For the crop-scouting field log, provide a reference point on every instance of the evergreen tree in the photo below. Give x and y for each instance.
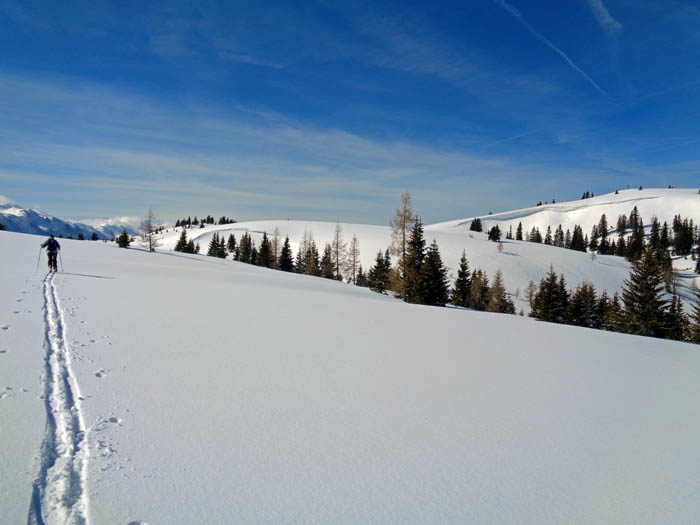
(519, 232)
(476, 226)
(378, 275)
(644, 306)
(548, 304)
(286, 262)
(693, 331)
(614, 320)
(583, 306)
(123, 240)
(495, 233)
(327, 266)
(213, 245)
(578, 242)
(460, 292)
(191, 247)
(548, 236)
(93, 237)
(265, 256)
(559, 237)
(676, 323)
(604, 245)
(413, 261)
(593, 244)
(361, 278)
(479, 290)
(221, 249)
(231, 243)
(433, 283)
(181, 245)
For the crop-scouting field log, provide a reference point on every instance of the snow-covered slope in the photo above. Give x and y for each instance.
(520, 262)
(661, 203)
(15, 218)
(198, 390)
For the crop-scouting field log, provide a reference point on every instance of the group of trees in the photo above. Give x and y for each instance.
(473, 290)
(643, 309)
(189, 222)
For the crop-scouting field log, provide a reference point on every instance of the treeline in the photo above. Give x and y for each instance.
(643, 308)
(632, 239)
(189, 222)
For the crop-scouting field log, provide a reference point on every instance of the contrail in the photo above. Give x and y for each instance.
(519, 17)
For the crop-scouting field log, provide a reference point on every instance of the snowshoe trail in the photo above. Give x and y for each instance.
(60, 491)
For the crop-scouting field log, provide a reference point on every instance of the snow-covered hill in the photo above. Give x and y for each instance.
(663, 204)
(18, 219)
(189, 389)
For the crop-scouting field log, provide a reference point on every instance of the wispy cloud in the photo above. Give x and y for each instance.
(4, 200)
(604, 18)
(519, 17)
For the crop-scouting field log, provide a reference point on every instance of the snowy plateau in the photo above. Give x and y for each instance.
(146, 388)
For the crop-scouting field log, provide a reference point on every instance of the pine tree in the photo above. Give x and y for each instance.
(93, 237)
(604, 245)
(286, 262)
(221, 249)
(265, 256)
(463, 282)
(327, 266)
(181, 245)
(231, 243)
(578, 242)
(644, 306)
(413, 261)
(559, 237)
(479, 291)
(693, 330)
(495, 233)
(548, 236)
(213, 245)
(361, 279)
(519, 232)
(583, 306)
(378, 275)
(433, 283)
(476, 225)
(548, 304)
(614, 320)
(123, 240)
(676, 323)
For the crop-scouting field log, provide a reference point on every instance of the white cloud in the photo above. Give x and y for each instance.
(4, 200)
(603, 16)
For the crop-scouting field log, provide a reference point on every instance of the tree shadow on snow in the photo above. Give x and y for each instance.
(87, 275)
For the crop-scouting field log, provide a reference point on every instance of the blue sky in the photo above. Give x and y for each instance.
(324, 110)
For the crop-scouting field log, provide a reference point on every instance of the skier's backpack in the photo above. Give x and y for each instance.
(52, 245)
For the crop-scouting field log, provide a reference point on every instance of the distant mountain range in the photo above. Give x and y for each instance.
(16, 218)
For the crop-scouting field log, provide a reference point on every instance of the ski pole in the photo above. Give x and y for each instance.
(39, 259)
(60, 259)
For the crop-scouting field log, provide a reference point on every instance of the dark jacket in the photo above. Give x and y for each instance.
(51, 245)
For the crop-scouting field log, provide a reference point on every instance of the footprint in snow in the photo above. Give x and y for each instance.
(5, 327)
(101, 373)
(3, 351)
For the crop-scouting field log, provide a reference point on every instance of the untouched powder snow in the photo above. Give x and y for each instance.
(217, 392)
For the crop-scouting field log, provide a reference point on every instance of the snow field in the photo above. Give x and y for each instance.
(220, 392)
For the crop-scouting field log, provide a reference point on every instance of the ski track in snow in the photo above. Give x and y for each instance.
(60, 491)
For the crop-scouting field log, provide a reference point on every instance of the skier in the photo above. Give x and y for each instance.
(52, 248)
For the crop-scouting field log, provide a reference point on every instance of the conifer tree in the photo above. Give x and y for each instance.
(338, 252)
(400, 229)
(433, 283)
(548, 304)
(476, 225)
(604, 245)
(644, 306)
(495, 233)
(231, 243)
(578, 242)
(693, 331)
(519, 232)
(286, 262)
(123, 240)
(548, 236)
(265, 255)
(499, 301)
(221, 249)
(463, 282)
(327, 266)
(353, 259)
(361, 278)
(676, 323)
(559, 237)
(479, 290)
(213, 250)
(582, 309)
(413, 261)
(378, 275)
(181, 245)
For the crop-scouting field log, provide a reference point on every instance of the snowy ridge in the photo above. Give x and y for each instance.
(661, 203)
(18, 219)
(60, 494)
